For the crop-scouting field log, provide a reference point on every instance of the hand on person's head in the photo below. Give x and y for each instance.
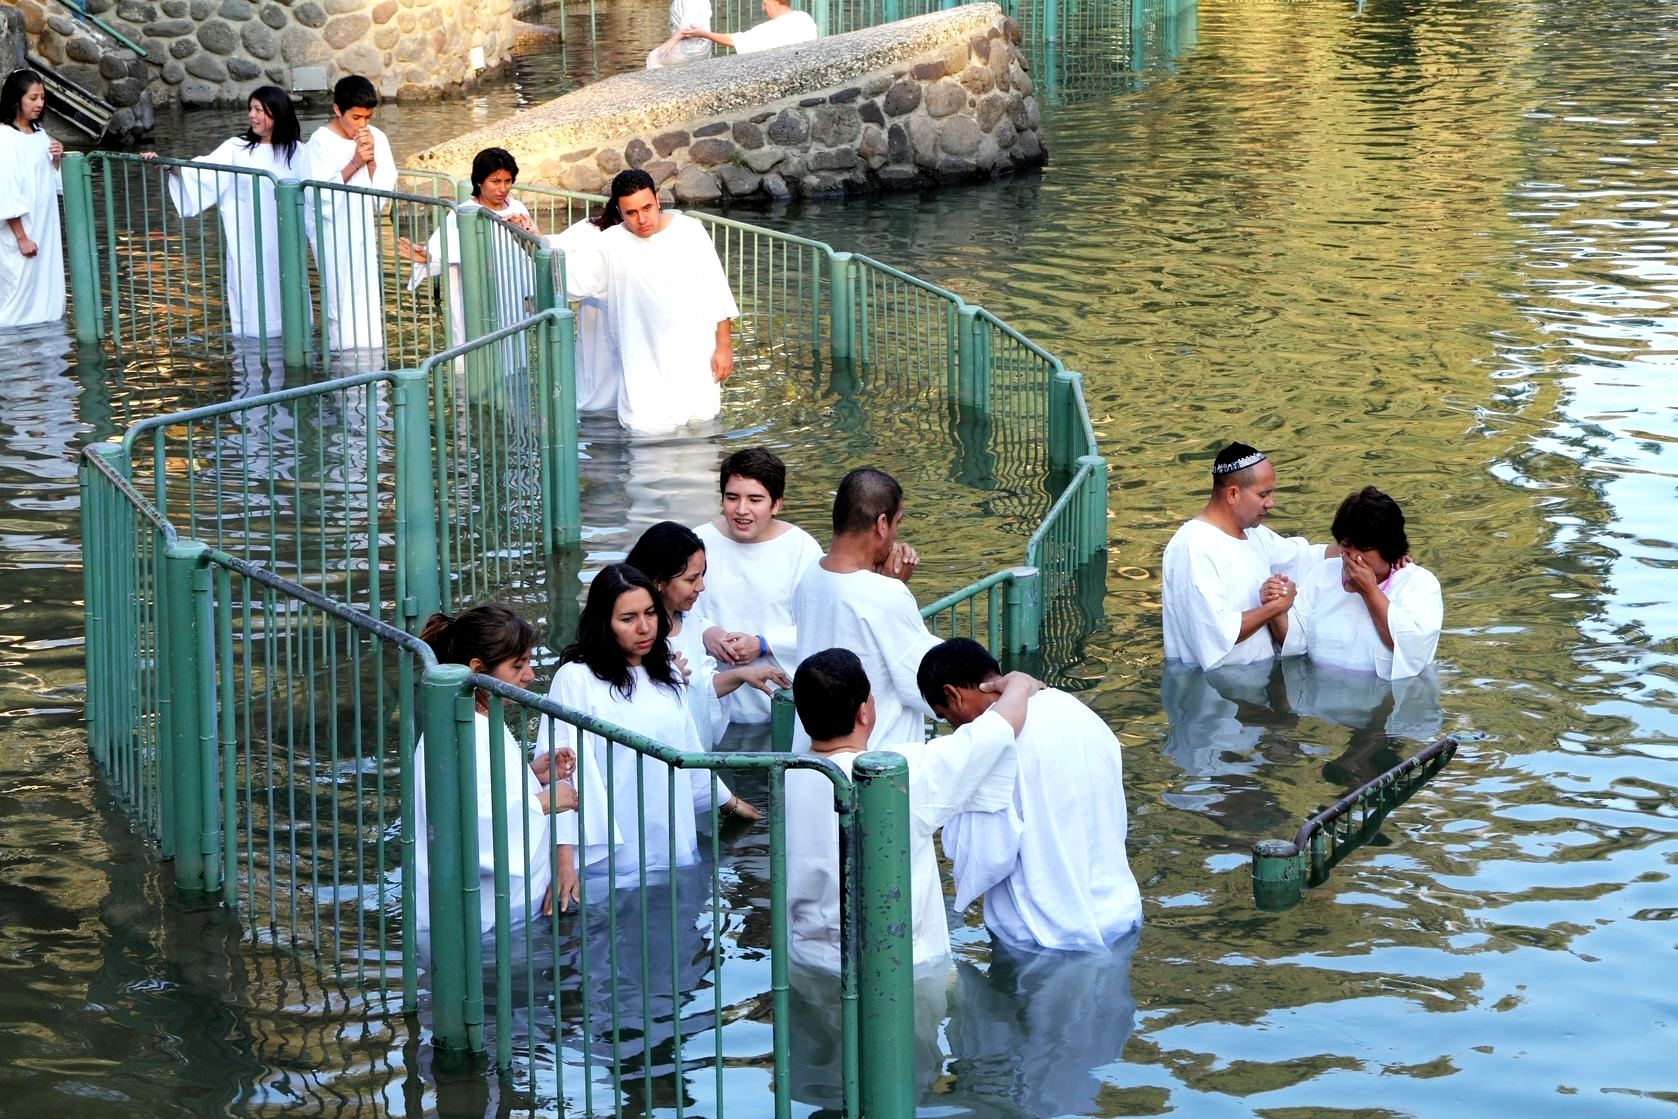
(1016, 682)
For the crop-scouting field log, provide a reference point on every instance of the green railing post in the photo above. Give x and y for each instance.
(1022, 610)
(1051, 21)
(442, 689)
(841, 308)
(1066, 442)
(294, 273)
(972, 362)
(477, 297)
(890, 11)
(821, 12)
(783, 720)
(557, 388)
(84, 255)
(1092, 508)
(419, 574)
(1278, 874)
(183, 646)
(885, 965)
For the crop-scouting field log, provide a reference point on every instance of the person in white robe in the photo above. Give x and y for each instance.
(31, 245)
(599, 376)
(971, 770)
(680, 48)
(493, 641)
(672, 556)
(250, 231)
(668, 304)
(1369, 609)
(855, 598)
(1051, 866)
(634, 810)
(753, 563)
(782, 27)
(343, 226)
(1218, 565)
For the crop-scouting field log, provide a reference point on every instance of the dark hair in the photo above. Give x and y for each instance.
(864, 496)
(287, 132)
(761, 465)
(17, 84)
(488, 162)
(490, 633)
(828, 690)
(625, 183)
(595, 645)
(663, 551)
(1371, 519)
(959, 662)
(354, 92)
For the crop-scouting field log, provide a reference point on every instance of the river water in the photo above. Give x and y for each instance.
(1429, 247)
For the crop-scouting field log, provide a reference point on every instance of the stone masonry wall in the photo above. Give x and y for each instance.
(204, 52)
(953, 105)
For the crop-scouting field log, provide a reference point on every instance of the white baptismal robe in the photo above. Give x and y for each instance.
(783, 31)
(599, 376)
(250, 230)
(875, 617)
(612, 813)
(512, 272)
(1052, 866)
(706, 707)
(970, 770)
(31, 287)
(748, 589)
(1211, 578)
(683, 13)
(529, 838)
(345, 237)
(1333, 625)
(665, 295)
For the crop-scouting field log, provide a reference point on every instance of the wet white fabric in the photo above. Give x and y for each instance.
(250, 230)
(1052, 867)
(599, 376)
(612, 812)
(748, 589)
(31, 287)
(1210, 578)
(970, 770)
(706, 707)
(783, 31)
(875, 617)
(1334, 626)
(665, 295)
(343, 230)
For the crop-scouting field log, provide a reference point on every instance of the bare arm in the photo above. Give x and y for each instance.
(1016, 689)
(722, 358)
(700, 33)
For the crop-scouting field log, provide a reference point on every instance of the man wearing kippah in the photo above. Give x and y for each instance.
(1218, 567)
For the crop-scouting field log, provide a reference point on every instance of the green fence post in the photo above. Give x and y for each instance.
(841, 308)
(890, 11)
(972, 362)
(885, 967)
(1064, 444)
(109, 551)
(477, 297)
(419, 574)
(1051, 21)
(84, 254)
(820, 11)
(182, 645)
(1022, 610)
(783, 720)
(442, 688)
(559, 390)
(1092, 526)
(1278, 874)
(294, 273)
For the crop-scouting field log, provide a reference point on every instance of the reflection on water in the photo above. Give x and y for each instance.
(1428, 247)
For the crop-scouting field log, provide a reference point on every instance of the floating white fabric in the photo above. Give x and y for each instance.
(748, 589)
(250, 231)
(1052, 867)
(1336, 629)
(1210, 578)
(875, 617)
(599, 376)
(343, 230)
(970, 770)
(783, 31)
(31, 287)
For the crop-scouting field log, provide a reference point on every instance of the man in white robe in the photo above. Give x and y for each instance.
(782, 27)
(1051, 866)
(970, 770)
(856, 598)
(753, 561)
(1218, 566)
(669, 306)
(343, 226)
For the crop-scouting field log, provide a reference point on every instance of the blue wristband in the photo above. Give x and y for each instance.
(762, 646)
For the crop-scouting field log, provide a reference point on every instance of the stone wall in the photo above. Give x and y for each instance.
(943, 98)
(204, 52)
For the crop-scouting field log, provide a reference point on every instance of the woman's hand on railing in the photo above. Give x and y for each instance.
(739, 809)
(149, 156)
(554, 765)
(407, 250)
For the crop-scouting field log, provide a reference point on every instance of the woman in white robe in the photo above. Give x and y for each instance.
(634, 811)
(250, 233)
(599, 373)
(673, 557)
(31, 247)
(493, 641)
(1370, 609)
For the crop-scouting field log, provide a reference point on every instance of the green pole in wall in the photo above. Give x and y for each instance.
(294, 273)
(885, 969)
(84, 256)
(181, 646)
(1022, 611)
(419, 574)
(442, 689)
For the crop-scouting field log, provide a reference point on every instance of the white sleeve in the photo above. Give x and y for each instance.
(969, 770)
(1208, 624)
(1293, 556)
(1415, 615)
(707, 281)
(1304, 603)
(983, 848)
(194, 190)
(572, 690)
(384, 165)
(783, 639)
(586, 272)
(903, 645)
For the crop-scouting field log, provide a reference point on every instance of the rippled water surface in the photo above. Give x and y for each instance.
(1426, 246)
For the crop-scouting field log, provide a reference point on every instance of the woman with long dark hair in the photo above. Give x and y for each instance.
(250, 235)
(633, 809)
(31, 248)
